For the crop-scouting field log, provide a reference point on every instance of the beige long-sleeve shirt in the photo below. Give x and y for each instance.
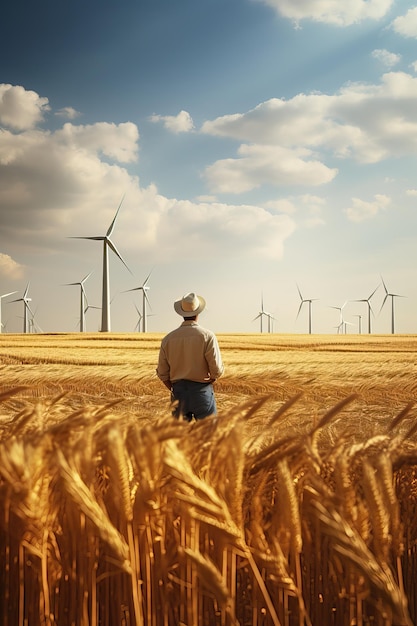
(189, 352)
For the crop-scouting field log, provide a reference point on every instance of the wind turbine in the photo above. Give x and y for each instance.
(83, 300)
(271, 321)
(261, 313)
(33, 326)
(359, 323)
(137, 327)
(341, 328)
(303, 301)
(392, 296)
(144, 288)
(1, 298)
(370, 311)
(26, 308)
(107, 243)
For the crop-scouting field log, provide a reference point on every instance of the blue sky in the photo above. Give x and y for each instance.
(257, 145)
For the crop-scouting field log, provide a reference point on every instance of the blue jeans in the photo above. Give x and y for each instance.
(195, 400)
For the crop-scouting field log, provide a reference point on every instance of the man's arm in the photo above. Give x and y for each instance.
(214, 358)
(162, 371)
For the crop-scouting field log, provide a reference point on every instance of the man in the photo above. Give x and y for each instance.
(190, 361)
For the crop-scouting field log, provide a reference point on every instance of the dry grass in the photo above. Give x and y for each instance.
(296, 505)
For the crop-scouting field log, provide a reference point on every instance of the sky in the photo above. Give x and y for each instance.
(261, 153)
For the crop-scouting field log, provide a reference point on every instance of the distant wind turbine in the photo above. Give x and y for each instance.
(137, 327)
(83, 300)
(271, 321)
(359, 323)
(341, 327)
(11, 293)
(392, 296)
(144, 288)
(26, 308)
(304, 301)
(107, 243)
(370, 311)
(33, 326)
(261, 313)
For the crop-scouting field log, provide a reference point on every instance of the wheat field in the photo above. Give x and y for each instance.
(295, 505)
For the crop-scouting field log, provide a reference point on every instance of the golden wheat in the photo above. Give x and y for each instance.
(295, 505)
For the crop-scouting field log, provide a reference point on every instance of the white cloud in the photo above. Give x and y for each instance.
(389, 59)
(406, 25)
(67, 183)
(291, 141)
(68, 112)
(414, 66)
(411, 192)
(331, 11)
(181, 123)
(283, 205)
(273, 165)
(362, 210)
(21, 109)
(116, 141)
(9, 268)
(218, 228)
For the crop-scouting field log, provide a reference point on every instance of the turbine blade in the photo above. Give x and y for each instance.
(8, 294)
(86, 277)
(385, 287)
(111, 227)
(147, 278)
(376, 289)
(98, 238)
(117, 253)
(383, 302)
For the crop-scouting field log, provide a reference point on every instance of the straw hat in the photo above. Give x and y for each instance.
(189, 305)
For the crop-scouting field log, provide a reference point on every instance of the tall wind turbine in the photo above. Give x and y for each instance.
(392, 296)
(83, 300)
(144, 288)
(1, 298)
(370, 311)
(107, 243)
(261, 313)
(304, 301)
(26, 308)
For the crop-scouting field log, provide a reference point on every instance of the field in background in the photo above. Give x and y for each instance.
(297, 504)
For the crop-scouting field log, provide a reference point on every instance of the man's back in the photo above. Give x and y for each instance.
(190, 361)
(190, 352)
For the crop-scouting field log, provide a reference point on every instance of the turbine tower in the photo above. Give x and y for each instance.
(392, 296)
(370, 311)
(83, 301)
(26, 308)
(144, 288)
(107, 243)
(303, 301)
(1, 298)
